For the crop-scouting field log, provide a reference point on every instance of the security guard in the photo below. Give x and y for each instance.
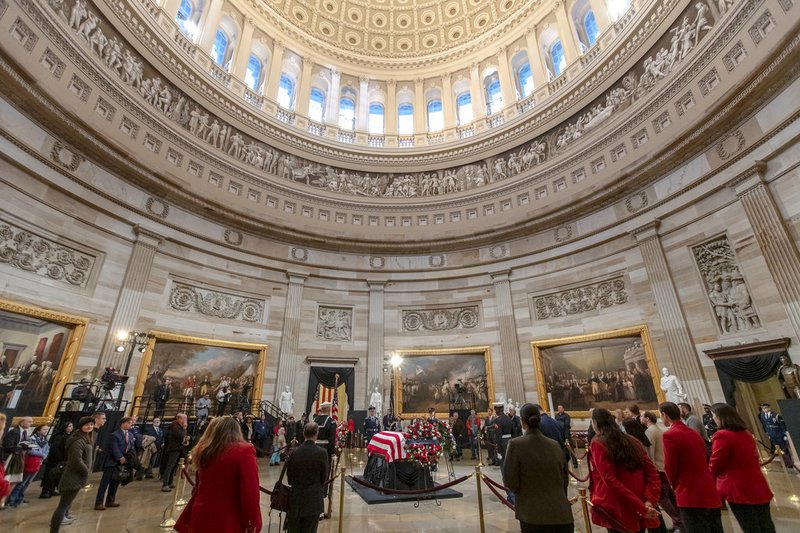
(708, 421)
(371, 424)
(775, 428)
(327, 429)
(505, 430)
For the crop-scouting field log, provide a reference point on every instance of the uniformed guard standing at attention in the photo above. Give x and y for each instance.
(327, 429)
(505, 430)
(775, 428)
(371, 424)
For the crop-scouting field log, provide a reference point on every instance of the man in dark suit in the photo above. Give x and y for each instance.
(563, 418)
(174, 446)
(687, 470)
(307, 470)
(121, 445)
(155, 431)
(161, 397)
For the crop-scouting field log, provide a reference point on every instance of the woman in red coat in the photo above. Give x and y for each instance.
(625, 486)
(736, 469)
(226, 494)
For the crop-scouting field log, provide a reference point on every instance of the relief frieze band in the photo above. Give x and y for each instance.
(440, 319)
(577, 300)
(215, 303)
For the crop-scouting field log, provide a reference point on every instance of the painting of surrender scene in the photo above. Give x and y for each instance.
(443, 379)
(195, 367)
(610, 370)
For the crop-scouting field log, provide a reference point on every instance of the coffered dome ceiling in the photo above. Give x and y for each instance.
(399, 28)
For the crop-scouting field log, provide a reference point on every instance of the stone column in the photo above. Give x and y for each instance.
(304, 91)
(208, 25)
(243, 50)
(362, 111)
(290, 333)
(129, 300)
(448, 101)
(776, 243)
(538, 70)
(332, 112)
(275, 70)
(390, 113)
(509, 344)
(477, 94)
(601, 16)
(420, 113)
(676, 330)
(375, 334)
(566, 33)
(507, 86)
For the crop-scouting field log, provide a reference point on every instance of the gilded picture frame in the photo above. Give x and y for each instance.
(76, 325)
(572, 369)
(163, 336)
(453, 362)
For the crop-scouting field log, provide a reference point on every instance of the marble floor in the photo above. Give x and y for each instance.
(144, 507)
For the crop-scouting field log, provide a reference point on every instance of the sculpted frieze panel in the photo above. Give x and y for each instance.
(334, 323)
(24, 250)
(214, 303)
(727, 291)
(440, 319)
(573, 301)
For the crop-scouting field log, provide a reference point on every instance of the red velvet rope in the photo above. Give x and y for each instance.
(185, 474)
(572, 451)
(580, 480)
(489, 483)
(416, 491)
(769, 459)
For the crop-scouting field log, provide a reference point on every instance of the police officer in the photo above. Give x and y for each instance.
(708, 421)
(775, 428)
(504, 429)
(371, 424)
(327, 429)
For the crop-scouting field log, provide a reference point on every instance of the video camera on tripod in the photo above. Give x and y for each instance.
(111, 378)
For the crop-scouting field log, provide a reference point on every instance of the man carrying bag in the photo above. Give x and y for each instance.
(307, 469)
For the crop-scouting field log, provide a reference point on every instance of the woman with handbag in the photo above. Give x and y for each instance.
(226, 494)
(624, 482)
(36, 454)
(54, 464)
(79, 460)
(12, 453)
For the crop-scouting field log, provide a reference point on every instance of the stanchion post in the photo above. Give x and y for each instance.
(169, 523)
(480, 497)
(587, 521)
(180, 486)
(341, 501)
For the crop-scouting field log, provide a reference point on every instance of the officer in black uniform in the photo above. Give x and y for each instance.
(708, 421)
(327, 429)
(505, 430)
(775, 428)
(371, 424)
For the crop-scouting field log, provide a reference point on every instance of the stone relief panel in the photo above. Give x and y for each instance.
(725, 286)
(576, 300)
(334, 324)
(102, 39)
(21, 249)
(215, 303)
(440, 319)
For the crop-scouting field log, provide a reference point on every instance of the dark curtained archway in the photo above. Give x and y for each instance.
(327, 376)
(750, 363)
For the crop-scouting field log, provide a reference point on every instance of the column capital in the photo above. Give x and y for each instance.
(250, 21)
(335, 73)
(147, 237)
(750, 178)
(391, 82)
(647, 231)
(376, 285)
(308, 61)
(500, 275)
(296, 278)
(278, 44)
(363, 78)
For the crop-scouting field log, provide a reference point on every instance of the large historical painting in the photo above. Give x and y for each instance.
(611, 370)
(443, 379)
(38, 349)
(196, 367)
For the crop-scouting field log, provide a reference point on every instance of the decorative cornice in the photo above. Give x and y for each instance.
(214, 303)
(441, 319)
(582, 299)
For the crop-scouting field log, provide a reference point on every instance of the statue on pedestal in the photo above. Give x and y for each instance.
(671, 385)
(376, 401)
(286, 400)
(789, 377)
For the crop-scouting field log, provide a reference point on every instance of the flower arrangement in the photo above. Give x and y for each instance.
(341, 437)
(424, 454)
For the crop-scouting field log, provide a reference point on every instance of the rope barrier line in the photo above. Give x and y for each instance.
(500, 497)
(269, 492)
(578, 479)
(490, 481)
(769, 459)
(185, 474)
(410, 492)
(572, 451)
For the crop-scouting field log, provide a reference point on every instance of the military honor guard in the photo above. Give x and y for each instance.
(775, 428)
(504, 430)
(371, 424)
(327, 429)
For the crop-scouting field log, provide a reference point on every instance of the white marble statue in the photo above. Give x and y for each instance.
(671, 385)
(376, 401)
(286, 401)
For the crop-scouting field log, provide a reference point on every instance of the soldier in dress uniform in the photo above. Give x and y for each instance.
(504, 430)
(371, 424)
(708, 421)
(327, 429)
(775, 428)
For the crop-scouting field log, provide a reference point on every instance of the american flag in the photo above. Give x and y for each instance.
(335, 406)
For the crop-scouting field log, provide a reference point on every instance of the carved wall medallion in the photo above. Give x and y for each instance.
(730, 144)
(233, 237)
(188, 298)
(377, 262)
(726, 289)
(334, 323)
(441, 319)
(65, 157)
(157, 207)
(299, 254)
(45, 257)
(436, 261)
(636, 202)
(581, 299)
(498, 250)
(564, 233)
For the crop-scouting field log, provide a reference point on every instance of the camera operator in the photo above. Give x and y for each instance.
(83, 394)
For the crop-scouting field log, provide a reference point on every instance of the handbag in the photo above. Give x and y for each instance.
(279, 499)
(122, 474)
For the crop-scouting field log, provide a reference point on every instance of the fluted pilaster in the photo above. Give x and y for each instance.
(509, 345)
(290, 333)
(275, 70)
(332, 112)
(375, 336)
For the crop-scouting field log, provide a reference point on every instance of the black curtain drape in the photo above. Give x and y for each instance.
(748, 369)
(327, 376)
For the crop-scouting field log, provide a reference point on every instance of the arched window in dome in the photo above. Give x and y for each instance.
(617, 8)
(184, 18)
(376, 118)
(494, 96)
(253, 74)
(590, 28)
(405, 119)
(347, 112)
(316, 104)
(464, 108)
(525, 80)
(286, 92)
(557, 59)
(435, 116)
(220, 50)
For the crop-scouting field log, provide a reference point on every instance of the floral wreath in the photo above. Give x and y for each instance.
(426, 454)
(341, 437)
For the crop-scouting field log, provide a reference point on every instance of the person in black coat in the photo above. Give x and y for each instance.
(56, 456)
(122, 443)
(307, 471)
(161, 397)
(174, 447)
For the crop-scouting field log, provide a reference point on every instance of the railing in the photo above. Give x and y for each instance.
(315, 128)
(348, 137)
(590, 55)
(219, 74)
(557, 83)
(527, 104)
(253, 98)
(495, 120)
(435, 138)
(465, 131)
(284, 115)
(405, 142)
(376, 141)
